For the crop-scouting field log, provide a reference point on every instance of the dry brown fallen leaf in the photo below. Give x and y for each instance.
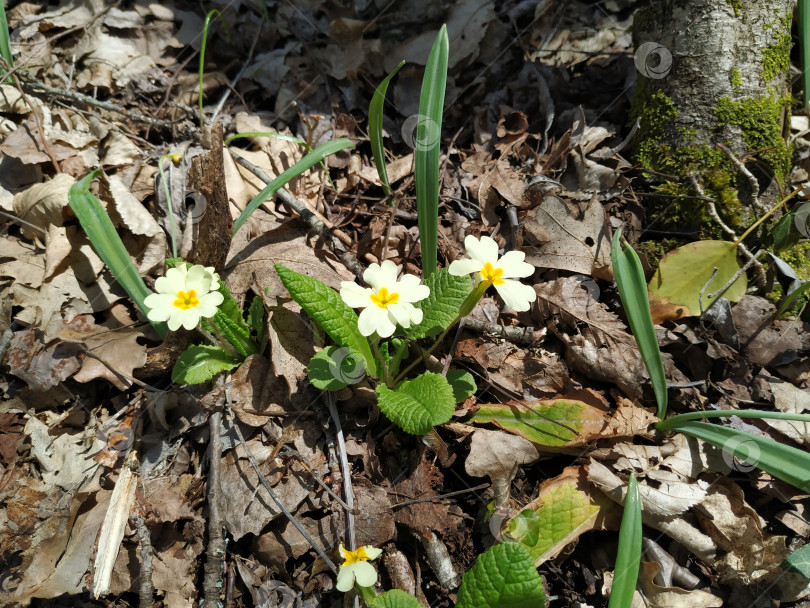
(672, 597)
(497, 455)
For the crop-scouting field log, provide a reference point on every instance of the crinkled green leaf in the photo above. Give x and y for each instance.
(418, 405)
(256, 316)
(462, 382)
(504, 575)
(200, 363)
(395, 599)
(328, 310)
(441, 307)
(334, 368)
(228, 320)
(798, 561)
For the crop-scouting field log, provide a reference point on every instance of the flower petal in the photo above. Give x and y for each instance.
(484, 250)
(388, 273)
(461, 267)
(189, 318)
(354, 295)
(174, 322)
(209, 303)
(345, 578)
(365, 574)
(160, 305)
(374, 319)
(173, 282)
(372, 552)
(373, 276)
(198, 279)
(399, 314)
(516, 295)
(412, 291)
(513, 265)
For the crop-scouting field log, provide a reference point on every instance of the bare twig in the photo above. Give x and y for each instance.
(146, 590)
(279, 504)
(753, 261)
(348, 492)
(753, 183)
(522, 336)
(215, 553)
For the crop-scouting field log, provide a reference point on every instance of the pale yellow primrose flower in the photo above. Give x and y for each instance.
(497, 271)
(356, 567)
(388, 302)
(184, 296)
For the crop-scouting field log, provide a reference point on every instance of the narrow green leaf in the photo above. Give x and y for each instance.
(375, 127)
(633, 292)
(5, 47)
(628, 558)
(504, 575)
(427, 151)
(310, 160)
(462, 382)
(442, 306)
(201, 70)
(418, 405)
(798, 561)
(334, 368)
(804, 41)
(791, 300)
(395, 599)
(108, 245)
(789, 464)
(200, 363)
(325, 306)
(674, 422)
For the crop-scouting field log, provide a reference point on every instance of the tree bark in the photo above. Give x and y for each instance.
(712, 72)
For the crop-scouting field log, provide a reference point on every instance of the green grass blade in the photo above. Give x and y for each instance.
(633, 291)
(427, 140)
(201, 70)
(108, 245)
(789, 464)
(628, 558)
(375, 126)
(674, 422)
(804, 40)
(310, 160)
(5, 47)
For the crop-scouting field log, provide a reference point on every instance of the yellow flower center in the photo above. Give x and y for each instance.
(383, 298)
(358, 555)
(492, 274)
(186, 299)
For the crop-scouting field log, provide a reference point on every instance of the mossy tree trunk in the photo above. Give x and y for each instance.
(712, 72)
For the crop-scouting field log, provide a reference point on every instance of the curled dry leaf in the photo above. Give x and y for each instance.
(498, 455)
(672, 597)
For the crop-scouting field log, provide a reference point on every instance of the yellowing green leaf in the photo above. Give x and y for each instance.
(682, 273)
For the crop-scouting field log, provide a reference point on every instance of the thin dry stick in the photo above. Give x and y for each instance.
(279, 504)
(146, 591)
(215, 554)
(348, 492)
(351, 262)
(753, 183)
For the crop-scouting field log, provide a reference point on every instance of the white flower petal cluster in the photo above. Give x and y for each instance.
(356, 567)
(184, 296)
(388, 302)
(488, 267)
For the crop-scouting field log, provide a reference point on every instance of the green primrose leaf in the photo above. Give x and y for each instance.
(228, 320)
(462, 382)
(375, 128)
(504, 575)
(441, 307)
(395, 599)
(334, 368)
(256, 315)
(798, 561)
(628, 558)
(200, 363)
(418, 405)
(325, 306)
